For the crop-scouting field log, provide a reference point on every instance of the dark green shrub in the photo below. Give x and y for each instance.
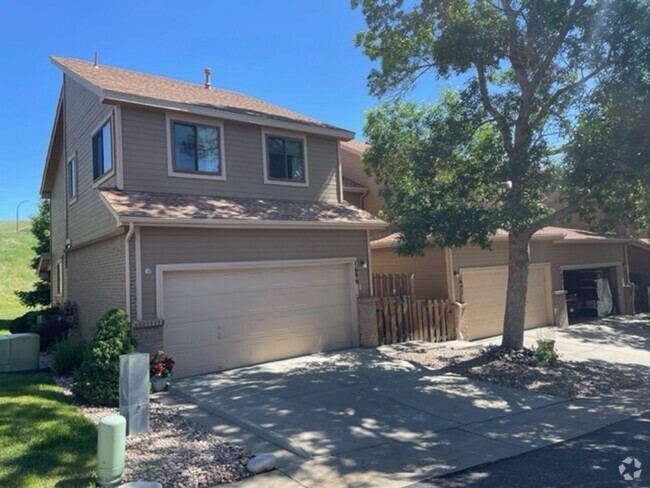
(24, 323)
(97, 379)
(56, 323)
(67, 355)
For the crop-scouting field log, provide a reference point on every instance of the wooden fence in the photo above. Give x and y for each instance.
(405, 318)
(393, 285)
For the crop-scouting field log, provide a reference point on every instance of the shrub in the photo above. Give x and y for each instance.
(25, 323)
(545, 351)
(56, 324)
(97, 379)
(67, 355)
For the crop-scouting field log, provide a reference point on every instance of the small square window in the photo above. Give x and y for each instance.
(72, 179)
(103, 150)
(196, 148)
(286, 159)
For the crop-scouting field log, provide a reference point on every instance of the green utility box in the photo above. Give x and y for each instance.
(111, 449)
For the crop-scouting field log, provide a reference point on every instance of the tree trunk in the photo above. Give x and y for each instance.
(518, 261)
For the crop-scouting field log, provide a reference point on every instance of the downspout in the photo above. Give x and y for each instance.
(127, 264)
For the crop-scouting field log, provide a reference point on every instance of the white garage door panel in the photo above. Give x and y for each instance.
(230, 318)
(485, 295)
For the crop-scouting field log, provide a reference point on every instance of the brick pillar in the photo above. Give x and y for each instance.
(149, 334)
(367, 310)
(560, 314)
(459, 318)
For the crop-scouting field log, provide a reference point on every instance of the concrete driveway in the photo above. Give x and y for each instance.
(359, 418)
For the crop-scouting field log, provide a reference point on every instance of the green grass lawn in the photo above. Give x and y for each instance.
(15, 272)
(44, 441)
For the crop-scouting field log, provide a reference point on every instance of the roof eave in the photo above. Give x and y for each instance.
(44, 189)
(117, 97)
(257, 224)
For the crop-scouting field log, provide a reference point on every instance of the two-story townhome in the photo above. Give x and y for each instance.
(216, 220)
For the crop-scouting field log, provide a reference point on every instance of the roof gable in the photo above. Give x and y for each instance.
(121, 85)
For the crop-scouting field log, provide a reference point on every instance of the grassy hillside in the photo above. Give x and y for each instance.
(15, 273)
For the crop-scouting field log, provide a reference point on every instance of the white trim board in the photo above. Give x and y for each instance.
(570, 267)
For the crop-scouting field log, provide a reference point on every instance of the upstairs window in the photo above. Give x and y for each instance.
(72, 179)
(285, 159)
(196, 149)
(103, 151)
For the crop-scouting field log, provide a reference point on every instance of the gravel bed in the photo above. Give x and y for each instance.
(175, 452)
(568, 379)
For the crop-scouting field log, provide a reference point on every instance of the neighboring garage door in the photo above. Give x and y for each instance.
(484, 291)
(228, 318)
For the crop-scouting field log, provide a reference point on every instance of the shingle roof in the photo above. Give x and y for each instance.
(118, 80)
(132, 205)
(355, 145)
(556, 234)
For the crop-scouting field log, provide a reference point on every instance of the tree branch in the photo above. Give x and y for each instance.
(565, 89)
(557, 43)
(518, 63)
(498, 117)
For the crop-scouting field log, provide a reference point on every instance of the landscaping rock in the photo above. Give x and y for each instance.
(262, 463)
(519, 369)
(175, 452)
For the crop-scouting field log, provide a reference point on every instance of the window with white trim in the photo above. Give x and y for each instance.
(103, 150)
(196, 148)
(72, 179)
(285, 159)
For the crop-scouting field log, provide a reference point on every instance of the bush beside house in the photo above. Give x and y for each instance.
(97, 379)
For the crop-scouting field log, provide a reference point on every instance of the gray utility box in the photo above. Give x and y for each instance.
(19, 352)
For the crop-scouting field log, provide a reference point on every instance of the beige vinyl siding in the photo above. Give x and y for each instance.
(351, 165)
(97, 281)
(88, 217)
(167, 245)
(58, 202)
(146, 165)
(429, 270)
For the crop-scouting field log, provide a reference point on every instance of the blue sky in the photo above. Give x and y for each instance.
(295, 53)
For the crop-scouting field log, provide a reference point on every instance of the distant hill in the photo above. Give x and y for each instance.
(15, 272)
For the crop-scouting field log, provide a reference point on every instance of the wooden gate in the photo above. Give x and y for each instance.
(402, 317)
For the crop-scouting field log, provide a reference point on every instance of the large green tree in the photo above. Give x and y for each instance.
(40, 294)
(538, 84)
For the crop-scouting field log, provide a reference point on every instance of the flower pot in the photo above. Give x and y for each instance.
(158, 384)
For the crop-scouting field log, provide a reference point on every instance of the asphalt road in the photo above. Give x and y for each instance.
(592, 460)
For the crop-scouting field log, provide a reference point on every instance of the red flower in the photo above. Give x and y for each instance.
(159, 368)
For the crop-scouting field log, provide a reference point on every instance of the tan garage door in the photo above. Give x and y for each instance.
(484, 292)
(229, 318)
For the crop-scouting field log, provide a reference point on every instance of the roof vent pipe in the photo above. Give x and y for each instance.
(95, 61)
(208, 73)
